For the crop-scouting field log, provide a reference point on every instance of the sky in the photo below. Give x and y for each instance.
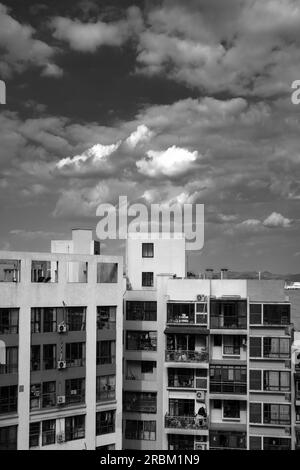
(162, 101)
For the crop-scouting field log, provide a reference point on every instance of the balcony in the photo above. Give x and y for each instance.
(228, 322)
(186, 422)
(9, 368)
(141, 406)
(106, 395)
(228, 387)
(181, 381)
(187, 356)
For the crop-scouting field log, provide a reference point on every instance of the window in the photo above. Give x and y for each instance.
(277, 347)
(180, 442)
(10, 270)
(231, 345)
(48, 432)
(8, 438)
(227, 440)
(255, 346)
(277, 414)
(75, 354)
(228, 379)
(231, 409)
(50, 319)
(76, 318)
(49, 394)
(9, 321)
(140, 430)
(106, 318)
(147, 367)
(276, 314)
(147, 250)
(106, 387)
(228, 314)
(75, 391)
(8, 399)
(181, 378)
(255, 413)
(47, 315)
(277, 443)
(106, 352)
(181, 407)
(35, 396)
(35, 357)
(180, 313)
(255, 443)
(74, 428)
(11, 361)
(141, 340)
(44, 271)
(275, 380)
(141, 311)
(255, 314)
(142, 402)
(217, 341)
(107, 273)
(49, 356)
(255, 379)
(77, 271)
(147, 279)
(105, 422)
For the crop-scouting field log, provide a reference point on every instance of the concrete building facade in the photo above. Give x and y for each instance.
(207, 362)
(61, 347)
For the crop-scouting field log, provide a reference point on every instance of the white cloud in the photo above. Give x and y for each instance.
(91, 157)
(277, 220)
(171, 162)
(141, 135)
(19, 48)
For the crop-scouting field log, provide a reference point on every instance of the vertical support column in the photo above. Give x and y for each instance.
(90, 379)
(24, 356)
(119, 358)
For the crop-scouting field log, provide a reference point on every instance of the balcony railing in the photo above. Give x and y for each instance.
(141, 406)
(228, 387)
(9, 368)
(106, 325)
(72, 398)
(182, 318)
(106, 395)
(79, 362)
(8, 405)
(106, 359)
(230, 322)
(187, 356)
(186, 422)
(77, 433)
(48, 438)
(105, 429)
(181, 381)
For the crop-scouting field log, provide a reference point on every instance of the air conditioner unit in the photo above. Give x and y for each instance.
(287, 430)
(201, 298)
(60, 438)
(61, 327)
(200, 446)
(61, 400)
(61, 365)
(297, 359)
(200, 395)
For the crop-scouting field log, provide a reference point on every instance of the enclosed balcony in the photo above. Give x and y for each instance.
(140, 402)
(228, 379)
(228, 314)
(186, 422)
(182, 415)
(187, 314)
(186, 348)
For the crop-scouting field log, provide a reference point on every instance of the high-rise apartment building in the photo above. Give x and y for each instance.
(60, 340)
(207, 362)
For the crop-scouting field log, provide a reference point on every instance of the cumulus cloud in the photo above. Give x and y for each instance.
(140, 136)
(20, 49)
(277, 220)
(89, 36)
(174, 161)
